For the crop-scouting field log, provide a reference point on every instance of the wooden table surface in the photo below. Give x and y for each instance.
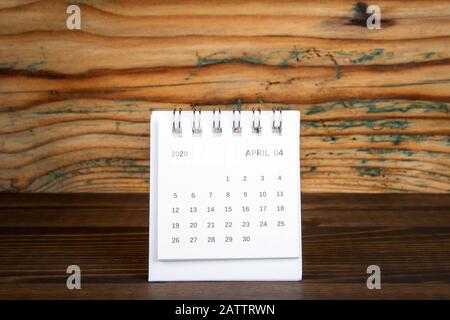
(408, 236)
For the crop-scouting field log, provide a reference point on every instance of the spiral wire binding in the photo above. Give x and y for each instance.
(217, 124)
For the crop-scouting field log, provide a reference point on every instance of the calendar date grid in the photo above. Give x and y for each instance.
(210, 217)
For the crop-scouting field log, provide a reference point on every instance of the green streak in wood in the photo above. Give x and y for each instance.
(326, 107)
(34, 67)
(111, 161)
(62, 111)
(342, 53)
(295, 54)
(206, 61)
(372, 172)
(316, 109)
(394, 107)
(429, 55)
(369, 123)
(338, 153)
(284, 63)
(358, 56)
(395, 124)
(372, 55)
(396, 139)
(380, 106)
(387, 151)
(57, 174)
(10, 65)
(338, 69)
(239, 105)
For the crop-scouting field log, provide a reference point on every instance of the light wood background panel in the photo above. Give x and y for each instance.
(75, 105)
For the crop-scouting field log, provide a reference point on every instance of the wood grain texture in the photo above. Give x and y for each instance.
(75, 105)
(107, 236)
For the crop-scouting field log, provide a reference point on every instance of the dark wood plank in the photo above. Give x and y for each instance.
(222, 290)
(107, 236)
(131, 210)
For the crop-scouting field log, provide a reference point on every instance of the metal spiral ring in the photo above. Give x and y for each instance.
(196, 127)
(237, 122)
(216, 128)
(277, 121)
(176, 124)
(256, 123)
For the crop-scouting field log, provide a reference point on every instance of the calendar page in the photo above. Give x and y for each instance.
(228, 185)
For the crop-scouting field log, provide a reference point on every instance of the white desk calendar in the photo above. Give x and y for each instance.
(225, 196)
